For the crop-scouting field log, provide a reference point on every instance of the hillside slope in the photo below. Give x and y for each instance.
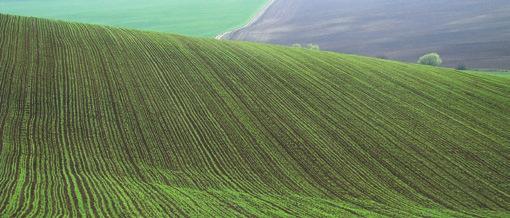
(475, 33)
(114, 122)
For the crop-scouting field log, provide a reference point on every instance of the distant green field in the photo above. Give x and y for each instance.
(190, 17)
(112, 122)
(505, 74)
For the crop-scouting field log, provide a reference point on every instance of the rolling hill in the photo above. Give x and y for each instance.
(116, 122)
(474, 33)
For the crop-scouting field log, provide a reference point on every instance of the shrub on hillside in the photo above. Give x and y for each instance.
(461, 67)
(297, 45)
(313, 47)
(432, 59)
(307, 46)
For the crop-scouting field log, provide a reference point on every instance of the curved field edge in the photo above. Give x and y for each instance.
(114, 122)
(251, 21)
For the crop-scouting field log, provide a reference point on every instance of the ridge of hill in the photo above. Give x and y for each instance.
(115, 122)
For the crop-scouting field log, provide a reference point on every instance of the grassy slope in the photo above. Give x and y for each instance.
(489, 73)
(109, 121)
(191, 17)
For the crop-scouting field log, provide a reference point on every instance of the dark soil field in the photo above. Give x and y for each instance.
(475, 33)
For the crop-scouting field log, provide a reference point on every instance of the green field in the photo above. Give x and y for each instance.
(115, 122)
(190, 17)
(500, 73)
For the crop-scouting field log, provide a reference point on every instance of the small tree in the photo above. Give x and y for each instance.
(461, 67)
(432, 59)
(313, 47)
(297, 45)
